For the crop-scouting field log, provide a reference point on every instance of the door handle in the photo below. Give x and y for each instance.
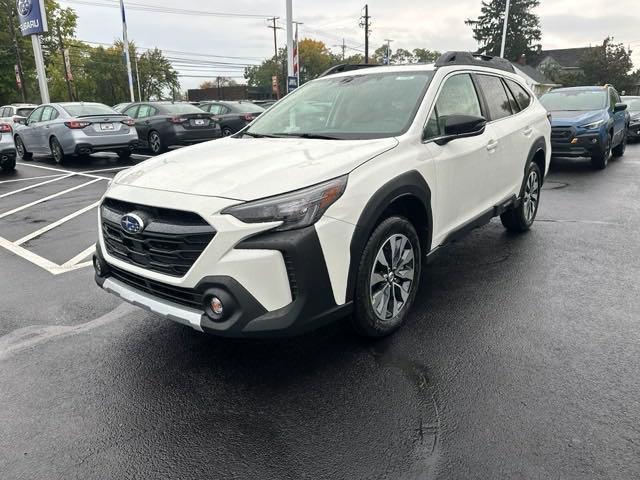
(147, 122)
(527, 131)
(492, 145)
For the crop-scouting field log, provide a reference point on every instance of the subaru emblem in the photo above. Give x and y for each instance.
(132, 223)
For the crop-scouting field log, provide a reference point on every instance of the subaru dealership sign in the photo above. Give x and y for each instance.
(32, 17)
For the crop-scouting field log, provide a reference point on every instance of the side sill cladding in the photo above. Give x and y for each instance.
(410, 184)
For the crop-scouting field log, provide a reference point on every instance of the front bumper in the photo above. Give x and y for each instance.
(312, 301)
(634, 131)
(578, 145)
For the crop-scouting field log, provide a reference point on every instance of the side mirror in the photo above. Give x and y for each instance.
(461, 126)
(20, 120)
(620, 107)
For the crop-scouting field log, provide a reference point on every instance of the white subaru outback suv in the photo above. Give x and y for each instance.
(329, 204)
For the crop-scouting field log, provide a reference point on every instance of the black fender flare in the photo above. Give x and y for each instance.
(538, 145)
(408, 184)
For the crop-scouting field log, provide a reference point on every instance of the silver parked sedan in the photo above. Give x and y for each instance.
(63, 129)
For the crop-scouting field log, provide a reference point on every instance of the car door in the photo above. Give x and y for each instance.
(143, 121)
(29, 133)
(507, 154)
(132, 112)
(619, 118)
(47, 126)
(463, 167)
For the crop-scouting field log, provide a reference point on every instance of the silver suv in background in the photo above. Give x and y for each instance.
(63, 129)
(16, 112)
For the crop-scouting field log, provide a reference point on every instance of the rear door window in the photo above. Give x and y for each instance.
(522, 96)
(36, 115)
(495, 96)
(132, 111)
(48, 114)
(145, 111)
(457, 97)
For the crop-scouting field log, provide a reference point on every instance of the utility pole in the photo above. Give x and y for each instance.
(365, 23)
(23, 86)
(127, 56)
(343, 47)
(138, 76)
(290, 72)
(504, 29)
(64, 63)
(275, 43)
(388, 55)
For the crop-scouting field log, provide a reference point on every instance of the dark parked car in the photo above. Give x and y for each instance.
(633, 105)
(233, 116)
(587, 122)
(161, 125)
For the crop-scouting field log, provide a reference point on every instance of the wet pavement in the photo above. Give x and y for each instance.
(519, 361)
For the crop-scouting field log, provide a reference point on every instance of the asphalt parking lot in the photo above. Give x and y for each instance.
(520, 360)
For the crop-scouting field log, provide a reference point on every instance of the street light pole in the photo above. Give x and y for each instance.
(504, 29)
(290, 72)
(126, 50)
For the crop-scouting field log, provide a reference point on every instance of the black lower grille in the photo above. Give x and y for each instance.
(183, 296)
(561, 134)
(291, 273)
(170, 243)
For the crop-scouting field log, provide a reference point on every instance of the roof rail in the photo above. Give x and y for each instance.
(468, 58)
(346, 67)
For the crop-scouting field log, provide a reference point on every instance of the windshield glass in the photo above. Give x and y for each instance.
(576, 100)
(181, 108)
(89, 109)
(356, 107)
(633, 104)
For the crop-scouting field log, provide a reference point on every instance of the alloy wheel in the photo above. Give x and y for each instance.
(56, 150)
(531, 196)
(20, 147)
(392, 276)
(154, 140)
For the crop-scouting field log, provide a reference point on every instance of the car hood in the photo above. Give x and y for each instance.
(251, 168)
(569, 118)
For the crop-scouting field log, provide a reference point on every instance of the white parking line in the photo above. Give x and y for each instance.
(28, 205)
(29, 256)
(35, 185)
(114, 169)
(55, 224)
(81, 256)
(65, 171)
(30, 178)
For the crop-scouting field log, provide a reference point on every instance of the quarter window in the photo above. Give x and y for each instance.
(457, 97)
(522, 96)
(496, 96)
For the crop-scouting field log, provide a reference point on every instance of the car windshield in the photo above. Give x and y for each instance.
(374, 105)
(181, 108)
(575, 100)
(89, 110)
(247, 107)
(24, 112)
(633, 104)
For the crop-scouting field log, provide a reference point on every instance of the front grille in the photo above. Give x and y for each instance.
(170, 243)
(183, 296)
(561, 134)
(291, 273)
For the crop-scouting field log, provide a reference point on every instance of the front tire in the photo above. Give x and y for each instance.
(600, 160)
(56, 151)
(620, 149)
(226, 132)
(124, 154)
(21, 149)
(520, 218)
(388, 278)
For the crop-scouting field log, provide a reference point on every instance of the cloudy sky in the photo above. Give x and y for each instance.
(410, 23)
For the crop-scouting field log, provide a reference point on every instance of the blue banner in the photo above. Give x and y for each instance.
(32, 17)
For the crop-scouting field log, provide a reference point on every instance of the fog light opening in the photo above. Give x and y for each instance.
(216, 306)
(99, 266)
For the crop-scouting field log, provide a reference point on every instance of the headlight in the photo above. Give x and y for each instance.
(295, 210)
(593, 126)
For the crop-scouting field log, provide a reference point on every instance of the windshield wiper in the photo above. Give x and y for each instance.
(308, 135)
(258, 135)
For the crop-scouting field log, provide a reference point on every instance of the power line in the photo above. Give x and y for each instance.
(144, 7)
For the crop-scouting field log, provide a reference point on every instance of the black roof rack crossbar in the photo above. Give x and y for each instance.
(347, 67)
(476, 59)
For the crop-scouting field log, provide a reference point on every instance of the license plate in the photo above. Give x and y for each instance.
(106, 126)
(199, 122)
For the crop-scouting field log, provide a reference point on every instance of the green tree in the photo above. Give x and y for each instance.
(424, 55)
(523, 32)
(222, 81)
(401, 56)
(608, 63)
